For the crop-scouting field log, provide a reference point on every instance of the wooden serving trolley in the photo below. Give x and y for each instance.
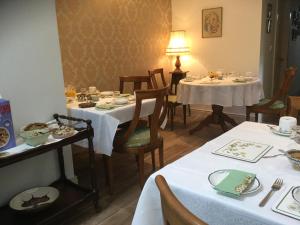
(72, 196)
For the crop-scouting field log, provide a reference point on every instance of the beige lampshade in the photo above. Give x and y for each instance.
(177, 45)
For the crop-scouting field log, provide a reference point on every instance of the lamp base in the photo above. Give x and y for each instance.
(177, 65)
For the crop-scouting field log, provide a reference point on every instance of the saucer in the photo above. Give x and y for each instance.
(34, 199)
(276, 130)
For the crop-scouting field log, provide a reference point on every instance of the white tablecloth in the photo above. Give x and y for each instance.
(219, 92)
(187, 177)
(106, 122)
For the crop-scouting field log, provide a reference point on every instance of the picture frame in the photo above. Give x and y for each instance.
(212, 22)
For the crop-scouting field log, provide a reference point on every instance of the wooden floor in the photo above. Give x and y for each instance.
(118, 209)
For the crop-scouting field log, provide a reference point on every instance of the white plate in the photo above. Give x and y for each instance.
(131, 98)
(4, 137)
(188, 80)
(107, 93)
(275, 130)
(217, 176)
(121, 101)
(51, 193)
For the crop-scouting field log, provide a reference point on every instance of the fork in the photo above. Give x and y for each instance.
(275, 187)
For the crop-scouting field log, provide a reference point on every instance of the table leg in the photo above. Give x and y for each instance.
(217, 117)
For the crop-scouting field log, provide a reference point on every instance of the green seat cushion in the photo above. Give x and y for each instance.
(172, 98)
(140, 137)
(276, 105)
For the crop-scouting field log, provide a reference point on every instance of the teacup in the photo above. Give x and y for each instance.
(94, 98)
(287, 123)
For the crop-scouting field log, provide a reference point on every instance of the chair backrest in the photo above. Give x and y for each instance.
(174, 212)
(153, 74)
(156, 118)
(137, 82)
(289, 75)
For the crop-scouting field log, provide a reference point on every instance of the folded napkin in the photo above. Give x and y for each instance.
(105, 106)
(235, 183)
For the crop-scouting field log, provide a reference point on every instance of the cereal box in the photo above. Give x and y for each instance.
(7, 136)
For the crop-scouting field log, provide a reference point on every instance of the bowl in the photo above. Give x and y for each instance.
(121, 101)
(35, 134)
(296, 194)
(294, 157)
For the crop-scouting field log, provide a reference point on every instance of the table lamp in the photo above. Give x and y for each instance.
(177, 46)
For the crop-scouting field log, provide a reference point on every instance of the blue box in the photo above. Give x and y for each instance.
(7, 135)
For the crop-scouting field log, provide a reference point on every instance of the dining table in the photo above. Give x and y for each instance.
(188, 179)
(105, 121)
(219, 93)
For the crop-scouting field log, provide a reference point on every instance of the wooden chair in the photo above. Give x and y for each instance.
(158, 74)
(137, 82)
(174, 212)
(140, 140)
(276, 105)
(293, 104)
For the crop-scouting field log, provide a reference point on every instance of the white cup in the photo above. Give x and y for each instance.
(287, 123)
(92, 90)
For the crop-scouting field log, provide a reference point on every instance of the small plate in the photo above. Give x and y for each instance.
(217, 176)
(121, 101)
(4, 137)
(124, 95)
(188, 80)
(34, 199)
(275, 130)
(107, 93)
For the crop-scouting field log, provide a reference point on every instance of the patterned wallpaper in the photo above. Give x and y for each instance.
(103, 39)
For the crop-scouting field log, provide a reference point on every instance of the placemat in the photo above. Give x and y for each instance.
(244, 150)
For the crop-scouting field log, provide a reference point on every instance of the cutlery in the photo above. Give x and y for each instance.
(273, 156)
(275, 187)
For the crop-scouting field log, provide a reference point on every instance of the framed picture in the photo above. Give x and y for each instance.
(212, 22)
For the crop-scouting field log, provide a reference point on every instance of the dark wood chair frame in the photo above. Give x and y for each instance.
(137, 82)
(173, 91)
(280, 95)
(72, 196)
(293, 106)
(156, 141)
(174, 212)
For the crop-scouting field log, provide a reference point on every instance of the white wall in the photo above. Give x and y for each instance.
(31, 78)
(239, 47)
(268, 43)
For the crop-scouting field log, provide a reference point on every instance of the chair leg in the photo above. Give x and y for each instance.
(189, 108)
(141, 168)
(184, 114)
(172, 117)
(153, 160)
(108, 172)
(161, 154)
(137, 161)
(256, 117)
(247, 114)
